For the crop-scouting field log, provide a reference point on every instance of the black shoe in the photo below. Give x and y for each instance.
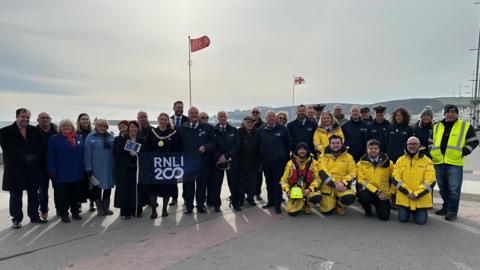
(37, 220)
(77, 217)
(258, 197)
(164, 214)
(241, 203)
(217, 209)
(441, 212)
(127, 217)
(174, 202)
(267, 206)
(92, 207)
(251, 202)
(188, 211)
(65, 219)
(278, 210)
(201, 210)
(16, 225)
(154, 214)
(450, 217)
(237, 208)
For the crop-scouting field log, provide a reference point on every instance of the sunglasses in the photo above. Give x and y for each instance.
(204, 117)
(282, 118)
(255, 112)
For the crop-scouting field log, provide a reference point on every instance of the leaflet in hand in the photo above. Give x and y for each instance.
(132, 146)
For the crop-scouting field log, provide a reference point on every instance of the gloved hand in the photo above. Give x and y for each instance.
(30, 159)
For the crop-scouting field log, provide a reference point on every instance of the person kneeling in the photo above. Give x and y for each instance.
(337, 171)
(300, 180)
(414, 177)
(373, 181)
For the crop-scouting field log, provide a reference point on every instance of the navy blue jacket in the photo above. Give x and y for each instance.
(397, 136)
(378, 132)
(302, 133)
(192, 139)
(423, 133)
(274, 144)
(65, 162)
(226, 143)
(355, 133)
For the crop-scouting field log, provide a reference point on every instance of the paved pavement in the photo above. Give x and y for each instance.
(253, 238)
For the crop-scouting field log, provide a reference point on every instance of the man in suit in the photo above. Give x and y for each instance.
(178, 119)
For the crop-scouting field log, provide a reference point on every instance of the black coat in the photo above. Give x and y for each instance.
(274, 144)
(423, 133)
(45, 136)
(182, 121)
(248, 150)
(397, 136)
(226, 143)
(126, 181)
(302, 133)
(355, 138)
(20, 172)
(378, 131)
(192, 139)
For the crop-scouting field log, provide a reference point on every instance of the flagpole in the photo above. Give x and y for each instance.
(293, 98)
(189, 72)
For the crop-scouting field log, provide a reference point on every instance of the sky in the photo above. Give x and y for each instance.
(113, 58)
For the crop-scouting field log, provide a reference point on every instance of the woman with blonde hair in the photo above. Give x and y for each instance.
(282, 118)
(99, 165)
(327, 127)
(65, 167)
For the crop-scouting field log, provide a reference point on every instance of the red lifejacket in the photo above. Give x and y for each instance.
(306, 172)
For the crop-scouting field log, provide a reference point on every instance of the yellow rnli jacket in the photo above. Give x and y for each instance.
(292, 172)
(334, 169)
(375, 178)
(321, 136)
(414, 175)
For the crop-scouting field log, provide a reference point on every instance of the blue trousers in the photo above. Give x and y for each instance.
(449, 180)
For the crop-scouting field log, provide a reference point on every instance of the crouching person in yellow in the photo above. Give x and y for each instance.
(300, 181)
(337, 171)
(414, 178)
(373, 181)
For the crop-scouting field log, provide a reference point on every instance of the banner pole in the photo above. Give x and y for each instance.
(293, 98)
(189, 72)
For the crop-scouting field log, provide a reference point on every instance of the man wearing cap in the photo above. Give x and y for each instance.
(452, 140)
(355, 133)
(318, 111)
(366, 117)
(248, 159)
(377, 129)
(302, 130)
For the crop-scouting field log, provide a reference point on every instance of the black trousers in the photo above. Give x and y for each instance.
(367, 198)
(67, 197)
(273, 174)
(16, 204)
(43, 194)
(96, 193)
(233, 185)
(248, 184)
(195, 187)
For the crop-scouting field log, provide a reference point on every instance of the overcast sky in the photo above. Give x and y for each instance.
(113, 58)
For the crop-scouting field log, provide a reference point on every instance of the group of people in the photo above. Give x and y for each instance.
(320, 158)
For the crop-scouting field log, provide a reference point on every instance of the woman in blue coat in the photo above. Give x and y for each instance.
(99, 165)
(398, 134)
(66, 169)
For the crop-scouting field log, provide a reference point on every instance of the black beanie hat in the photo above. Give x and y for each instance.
(450, 107)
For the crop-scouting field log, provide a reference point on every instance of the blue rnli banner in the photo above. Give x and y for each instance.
(165, 168)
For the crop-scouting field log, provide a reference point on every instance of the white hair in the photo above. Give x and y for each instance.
(66, 122)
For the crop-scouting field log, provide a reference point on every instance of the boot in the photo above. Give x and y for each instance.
(100, 208)
(153, 205)
(106, 205)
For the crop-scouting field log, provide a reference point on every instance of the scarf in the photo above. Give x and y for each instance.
(70, 138)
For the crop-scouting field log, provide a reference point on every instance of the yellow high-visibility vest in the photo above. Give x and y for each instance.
(456, 142)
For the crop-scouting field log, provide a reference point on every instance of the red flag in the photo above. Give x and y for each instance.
(299, 80)
(197, 44)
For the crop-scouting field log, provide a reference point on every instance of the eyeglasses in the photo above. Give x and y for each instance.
(413, 144)
(282, 118)
(204, 117)
(255, 112)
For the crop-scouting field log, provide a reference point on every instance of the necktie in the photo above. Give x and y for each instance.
(177, 122)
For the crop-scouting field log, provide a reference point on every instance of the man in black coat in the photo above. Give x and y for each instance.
(378, 128)
(227, 142)
(258, 123)
(22, 151)
(198, 140)
(249, 162)
(302, 130)
(274, 145)
(46, 129)
(355, 134)
(178, 119)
